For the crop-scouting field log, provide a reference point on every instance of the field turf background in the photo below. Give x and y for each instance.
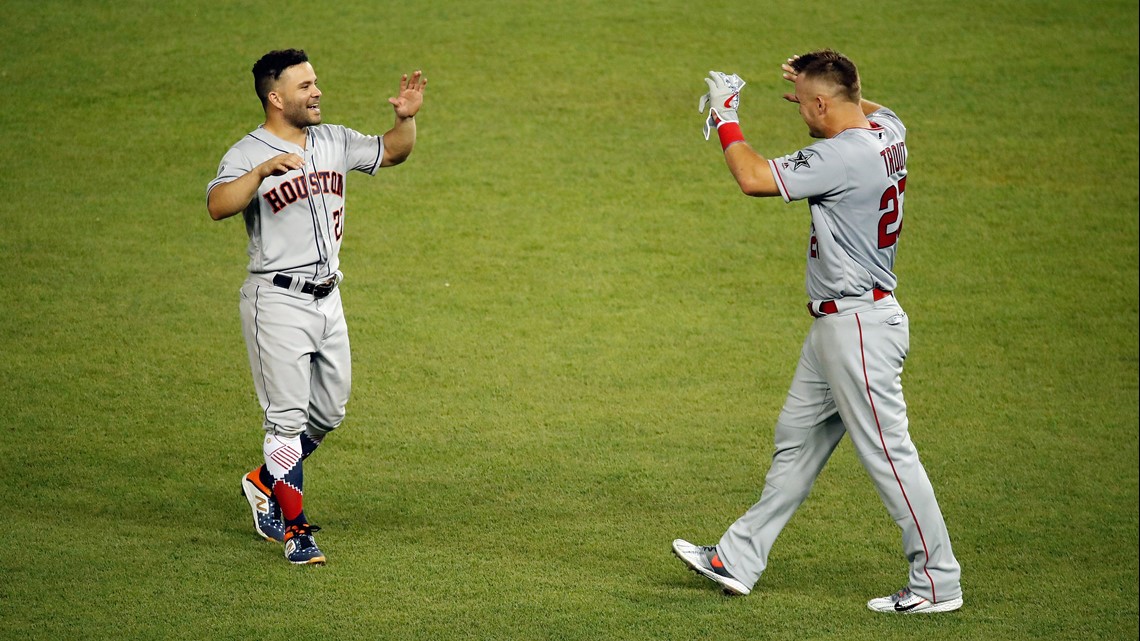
(572, 334)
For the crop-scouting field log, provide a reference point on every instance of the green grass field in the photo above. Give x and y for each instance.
(571, 332)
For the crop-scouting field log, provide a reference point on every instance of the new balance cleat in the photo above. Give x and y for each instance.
(704, 560)
(300, 548)
(906, 602)
(266, 511)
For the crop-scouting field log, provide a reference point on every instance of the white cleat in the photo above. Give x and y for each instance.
(906, 602)
(704, 560)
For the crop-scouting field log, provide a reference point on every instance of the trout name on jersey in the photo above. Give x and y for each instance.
(894, 158)
(313, 184)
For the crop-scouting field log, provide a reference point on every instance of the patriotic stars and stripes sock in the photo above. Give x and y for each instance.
(309, 444)
(283, 457)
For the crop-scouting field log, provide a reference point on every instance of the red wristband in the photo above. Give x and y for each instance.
(729, 133)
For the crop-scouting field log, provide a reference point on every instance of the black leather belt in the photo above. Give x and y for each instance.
(318, 290)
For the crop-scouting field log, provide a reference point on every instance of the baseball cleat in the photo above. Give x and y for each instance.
(300, 548)
(266, 511)
(907, 602)
(704, 560)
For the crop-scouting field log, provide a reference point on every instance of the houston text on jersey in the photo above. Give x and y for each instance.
(318, 182)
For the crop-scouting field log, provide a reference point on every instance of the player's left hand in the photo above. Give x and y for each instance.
(790, 75)
(722, 99)
(411, 97)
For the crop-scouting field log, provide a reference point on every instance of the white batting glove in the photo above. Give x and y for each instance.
(722, 99)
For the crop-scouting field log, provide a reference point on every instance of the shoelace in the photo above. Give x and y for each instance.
(302, 530)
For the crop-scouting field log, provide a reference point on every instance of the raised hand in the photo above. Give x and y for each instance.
(723, 99)
(411, 97)
(790, 75)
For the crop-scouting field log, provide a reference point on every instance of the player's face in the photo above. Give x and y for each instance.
(300, 97)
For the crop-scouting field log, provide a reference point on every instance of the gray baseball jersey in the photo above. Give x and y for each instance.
(854, 184)
(296, 223)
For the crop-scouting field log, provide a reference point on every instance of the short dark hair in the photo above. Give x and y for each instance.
(833, 67)
(269, 68)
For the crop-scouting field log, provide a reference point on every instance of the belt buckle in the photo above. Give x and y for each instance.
(324, 288)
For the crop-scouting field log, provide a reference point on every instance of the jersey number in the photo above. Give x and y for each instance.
(891, 206)
(338, 223)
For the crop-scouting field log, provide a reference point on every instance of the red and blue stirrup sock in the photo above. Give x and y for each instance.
(283, 457)
(308, 446)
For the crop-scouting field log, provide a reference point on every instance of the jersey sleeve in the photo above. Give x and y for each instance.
(813, 171)
(234, 165)
(364, 152)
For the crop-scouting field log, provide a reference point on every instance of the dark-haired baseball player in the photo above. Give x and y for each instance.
(848, 380)
(288, 178)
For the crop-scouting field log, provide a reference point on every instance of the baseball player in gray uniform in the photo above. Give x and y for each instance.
(287, 179)
(848, 379)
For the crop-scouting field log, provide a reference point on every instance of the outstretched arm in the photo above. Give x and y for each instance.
(750, 170)
(748, 167)
(401, 138)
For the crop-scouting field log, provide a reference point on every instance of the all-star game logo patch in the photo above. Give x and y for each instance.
(799, 160)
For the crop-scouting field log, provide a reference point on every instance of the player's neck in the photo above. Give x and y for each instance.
(286, 132)
(847, 119)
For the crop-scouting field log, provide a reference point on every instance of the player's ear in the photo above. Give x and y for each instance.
(275, 100)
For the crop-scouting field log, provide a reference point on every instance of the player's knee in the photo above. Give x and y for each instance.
(284, 430)
(318, 431)
(323, 420)
(286, 422)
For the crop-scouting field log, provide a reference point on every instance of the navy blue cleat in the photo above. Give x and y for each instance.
(266, 511)
(300, 548)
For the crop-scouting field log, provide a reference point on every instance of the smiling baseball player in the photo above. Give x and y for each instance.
(287, 179)
(848, 380)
